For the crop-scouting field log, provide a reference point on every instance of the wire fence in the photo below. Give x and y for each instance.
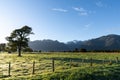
(49, 65)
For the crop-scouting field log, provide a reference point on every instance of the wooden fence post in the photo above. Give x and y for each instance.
(33, 71)
(110, 63)
(103, 61)
(91, 62)
(9, 69)
(70, 63)
(53, 65)
(116, 59)
(83, 61)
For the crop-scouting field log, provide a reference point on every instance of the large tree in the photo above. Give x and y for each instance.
(19, 38)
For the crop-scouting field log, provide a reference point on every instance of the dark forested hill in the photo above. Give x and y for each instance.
(109, 42)
(48, 45)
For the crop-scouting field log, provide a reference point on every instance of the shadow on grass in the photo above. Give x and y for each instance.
(4, 76)
(96, 61)
(107, 73)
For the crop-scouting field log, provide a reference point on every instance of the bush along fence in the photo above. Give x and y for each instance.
(49, 65)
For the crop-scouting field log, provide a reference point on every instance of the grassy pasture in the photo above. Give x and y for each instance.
(68, 66)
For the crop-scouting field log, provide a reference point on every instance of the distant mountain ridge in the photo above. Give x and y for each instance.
(108, 42)
(48, 45)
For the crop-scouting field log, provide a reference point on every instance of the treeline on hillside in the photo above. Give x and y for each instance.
(85, 50)
(5, 48)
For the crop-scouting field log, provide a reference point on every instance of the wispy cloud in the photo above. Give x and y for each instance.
(79, 9)
(60, 10)
(87, 26)
(91, 12)
(82, 11)
(99, 4)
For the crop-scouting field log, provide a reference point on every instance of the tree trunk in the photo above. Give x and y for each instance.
(19, 51)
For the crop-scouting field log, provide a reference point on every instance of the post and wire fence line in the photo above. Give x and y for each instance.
(50, 65)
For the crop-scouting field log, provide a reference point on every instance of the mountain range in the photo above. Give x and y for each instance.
(108, 42)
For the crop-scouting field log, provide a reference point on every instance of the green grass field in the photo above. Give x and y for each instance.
(68, 66)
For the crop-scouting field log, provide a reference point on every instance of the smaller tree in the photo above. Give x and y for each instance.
(2, 46)
(19, 38)
(76, 50)
(83, 50)
(27, 49)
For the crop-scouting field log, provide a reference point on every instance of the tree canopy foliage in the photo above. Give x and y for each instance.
(19, 39)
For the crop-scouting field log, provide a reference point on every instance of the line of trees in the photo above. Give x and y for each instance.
(85, 50)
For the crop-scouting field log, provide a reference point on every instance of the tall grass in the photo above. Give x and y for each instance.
(68, 66)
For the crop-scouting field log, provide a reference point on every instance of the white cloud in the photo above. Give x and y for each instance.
(88, 25)
(79, 9)
(92, 12)
(60, 10)
(99, 4)
(82, 11)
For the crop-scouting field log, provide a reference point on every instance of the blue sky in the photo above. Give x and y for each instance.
(62, 20)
